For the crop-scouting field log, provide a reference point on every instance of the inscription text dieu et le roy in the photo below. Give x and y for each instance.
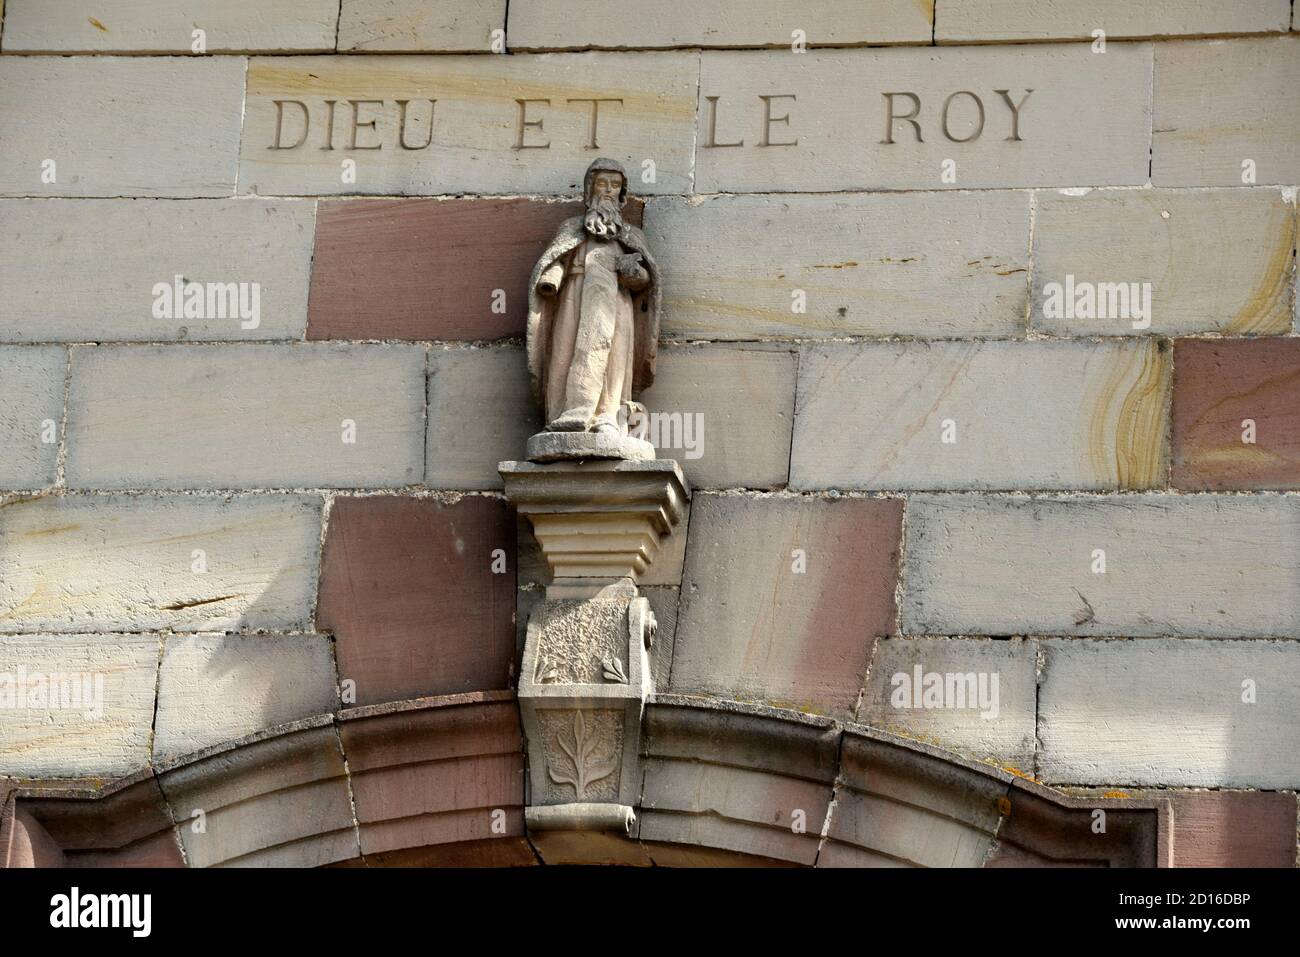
(963, 116)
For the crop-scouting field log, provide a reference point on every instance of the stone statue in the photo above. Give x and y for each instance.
(593, 326)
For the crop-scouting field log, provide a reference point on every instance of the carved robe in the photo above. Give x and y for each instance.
(592, 344)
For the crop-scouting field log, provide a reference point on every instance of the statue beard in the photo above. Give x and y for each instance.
(604, 220)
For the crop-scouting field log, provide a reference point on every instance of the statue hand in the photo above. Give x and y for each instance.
(629, 265)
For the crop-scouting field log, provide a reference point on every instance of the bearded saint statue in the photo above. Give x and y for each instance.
(593, 314)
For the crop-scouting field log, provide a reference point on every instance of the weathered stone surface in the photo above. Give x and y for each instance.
(123, 824)
(1234, 829)
(724, 413)
(1170, 712)
(478, 122)
(901, 807)
(1086, 122)
(1198, 85)
(1205, 566)
(443, 774)
(216, 688)
(181, 563)
(1043, 829)
(1216, 260)
(239, 416)
(488, 387)
(559, 24)
(752, 627)
(985, 701)
(108, 682)
(1223, 391)
(61, 283)
(140, 26)
(737, 778)
(278, 802)
(978, 20)
(663, 602)
(428, 268)
(31, 411)
(878, 416)
(924, 264)
(126, 126)
(408, 589)
(415, 25)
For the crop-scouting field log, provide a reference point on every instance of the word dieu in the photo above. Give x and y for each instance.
(408, 124)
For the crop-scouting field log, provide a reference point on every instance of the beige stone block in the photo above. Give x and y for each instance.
(76, 705)
(976, 696)
(1086, 123)
(477, 122)
(217, 688)
(93, 270)
(279, 802)
(1216, 261)
(120, 126)
(31, 412)
(146, 26)
(490, 388)
(184, 563)
(981, 21)
(922, 264)
(1020, 415)
(724, 413)
(1171, 712)
(1212, 566)
(1221, 104)
(418, 25)
(557, 24)
(246, 416)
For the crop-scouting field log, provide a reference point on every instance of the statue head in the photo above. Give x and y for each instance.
(605, 178)
(605, 192)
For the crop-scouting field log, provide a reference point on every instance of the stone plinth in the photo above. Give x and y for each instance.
(598, 521)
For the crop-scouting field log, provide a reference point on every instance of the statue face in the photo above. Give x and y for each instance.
(606, 184)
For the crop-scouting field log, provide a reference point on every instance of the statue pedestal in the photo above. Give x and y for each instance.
(586, 669)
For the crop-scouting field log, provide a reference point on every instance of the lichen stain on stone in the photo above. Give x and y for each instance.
(1127, 426)
(52, 530)
(1264, 312)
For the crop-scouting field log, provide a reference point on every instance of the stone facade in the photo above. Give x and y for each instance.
(980, 358)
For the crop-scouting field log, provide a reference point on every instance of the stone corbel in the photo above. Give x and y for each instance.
(586, 674)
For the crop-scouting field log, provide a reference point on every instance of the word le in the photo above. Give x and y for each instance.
(669, 430)
(951, 690)
(209, 300)
(53, 691)
(1101, 300)
(103, 910)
